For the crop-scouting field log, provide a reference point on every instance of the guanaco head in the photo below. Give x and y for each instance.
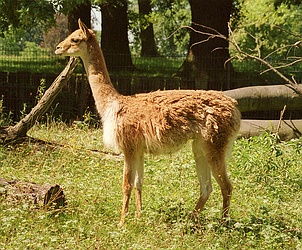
(75, 44)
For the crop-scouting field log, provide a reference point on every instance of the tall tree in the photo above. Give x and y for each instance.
(114, 37)
(148, 46)
(81, 10)
(206, 56)
(56, 34)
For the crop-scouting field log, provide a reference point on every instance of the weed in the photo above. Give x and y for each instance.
(5, 119)
(90, 120)
(41, 89)
(23, 111)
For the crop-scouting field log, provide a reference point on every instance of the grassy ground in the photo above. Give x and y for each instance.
(44, 61)
(266, 203)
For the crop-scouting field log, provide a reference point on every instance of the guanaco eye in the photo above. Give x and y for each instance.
(75, 40)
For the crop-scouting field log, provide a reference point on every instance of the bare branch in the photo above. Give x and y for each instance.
(290, 46)
(215, 34)
(291, 83)
(283, 66)
(209, 28)
(288, 32)
(280, 120)
(257, 44)
(294, 80)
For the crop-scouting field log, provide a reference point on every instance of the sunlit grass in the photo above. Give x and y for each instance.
(265, 210)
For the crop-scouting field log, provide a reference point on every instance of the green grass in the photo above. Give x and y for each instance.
(265, 210)
(44, 61)
(157, 66)
(33, 63)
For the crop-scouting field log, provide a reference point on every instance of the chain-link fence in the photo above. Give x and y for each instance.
(23, 73)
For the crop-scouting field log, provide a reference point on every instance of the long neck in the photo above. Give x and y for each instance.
(98, 77)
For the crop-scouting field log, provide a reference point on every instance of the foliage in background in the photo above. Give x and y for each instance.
(16, 41)
(166, 17)
(263, 28)
(5, 119)
(256, 25)
(31, 49)
(24, 14)
(251, 20)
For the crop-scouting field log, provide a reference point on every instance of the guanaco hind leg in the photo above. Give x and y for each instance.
(221, 176)
(217, 161)
(209, 159)
(203, 174)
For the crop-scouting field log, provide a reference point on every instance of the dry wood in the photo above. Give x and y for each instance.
(280, 120)
(12, 133)
(272, 97)
(42, 196)
(289, 129)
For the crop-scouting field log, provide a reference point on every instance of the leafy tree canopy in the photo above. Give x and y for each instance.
(288, 2)
(25, 14)
(262, 28)
(166, 17)
(257, 17)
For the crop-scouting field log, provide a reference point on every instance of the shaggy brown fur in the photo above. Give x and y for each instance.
(163, 120)
(159, 122)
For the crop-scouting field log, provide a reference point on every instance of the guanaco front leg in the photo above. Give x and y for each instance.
(138, 182)
(127, 188)
(132, 177)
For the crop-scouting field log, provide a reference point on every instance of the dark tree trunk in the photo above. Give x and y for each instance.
(205, 62)
(82, 11)
(114, 40)
(147, 32)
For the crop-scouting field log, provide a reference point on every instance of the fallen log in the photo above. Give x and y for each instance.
(272, 97)
(45, 196)
(12, 133)
(285, 129)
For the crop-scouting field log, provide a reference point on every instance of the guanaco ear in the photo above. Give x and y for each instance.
(84, 29)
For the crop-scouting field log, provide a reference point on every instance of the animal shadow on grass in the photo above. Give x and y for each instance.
(176, 214)
(253, 225)
(257, 225)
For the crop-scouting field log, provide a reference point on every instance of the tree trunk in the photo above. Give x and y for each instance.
(205, 62)
(82, 11)
(147, 32)
(272, 97)
(20, 129)
(114, 41)
(44, 196)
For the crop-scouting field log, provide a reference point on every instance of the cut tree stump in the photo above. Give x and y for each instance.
(47, 196)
